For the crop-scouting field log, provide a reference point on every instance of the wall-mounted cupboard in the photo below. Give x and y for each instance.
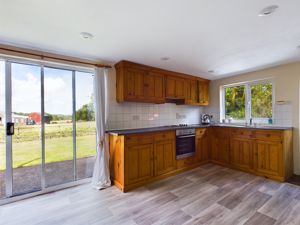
(140, 83)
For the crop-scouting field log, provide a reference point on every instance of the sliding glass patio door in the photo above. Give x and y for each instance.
(26, 141)
(47, 127)
(59, 155)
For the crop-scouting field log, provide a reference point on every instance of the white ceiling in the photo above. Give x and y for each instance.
(197, 35)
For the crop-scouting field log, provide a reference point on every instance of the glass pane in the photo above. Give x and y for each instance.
(26, 146)
(85, 125)
(261, 100)
(2, 130)
(58, 126)
(235, 103)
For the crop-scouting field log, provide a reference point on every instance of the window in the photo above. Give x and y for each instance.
(248, 100)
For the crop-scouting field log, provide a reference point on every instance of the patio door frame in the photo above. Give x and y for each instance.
(8, 118)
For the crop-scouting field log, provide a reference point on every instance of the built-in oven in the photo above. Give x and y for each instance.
(185, 143)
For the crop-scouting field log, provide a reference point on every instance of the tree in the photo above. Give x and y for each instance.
(86, 112)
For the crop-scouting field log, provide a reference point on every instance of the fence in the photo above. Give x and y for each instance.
(26, 133)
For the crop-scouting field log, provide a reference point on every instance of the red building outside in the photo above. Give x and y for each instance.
(34, 118)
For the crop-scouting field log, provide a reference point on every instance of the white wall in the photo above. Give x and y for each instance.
(286, 79)
(135, 115)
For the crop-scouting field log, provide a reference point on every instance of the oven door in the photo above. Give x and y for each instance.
(185, 146)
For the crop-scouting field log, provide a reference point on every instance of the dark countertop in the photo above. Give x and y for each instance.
(175, 127)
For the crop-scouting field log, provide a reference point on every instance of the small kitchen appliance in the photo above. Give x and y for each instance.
(206, 119)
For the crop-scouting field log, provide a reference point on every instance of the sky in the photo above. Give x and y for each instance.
(26, 89)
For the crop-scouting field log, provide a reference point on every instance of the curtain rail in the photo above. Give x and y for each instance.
(47, 56)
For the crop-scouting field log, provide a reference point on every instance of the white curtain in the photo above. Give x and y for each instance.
(101, 176)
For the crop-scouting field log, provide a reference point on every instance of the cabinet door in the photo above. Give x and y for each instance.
(179, 88)
(174, 87)
(191, 90)
(268, 157)
(164, 157)
(202, 147)
(170, 87)
(154, 87)
(220, 150)
(134, 84)
(139, 163)
(203, 92)
(242, 153)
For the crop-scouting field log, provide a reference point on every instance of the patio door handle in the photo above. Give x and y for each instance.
(10, 129)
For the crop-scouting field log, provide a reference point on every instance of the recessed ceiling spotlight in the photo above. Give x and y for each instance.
(86, 35)
(165, 58)
(211, 71)
(268, 10)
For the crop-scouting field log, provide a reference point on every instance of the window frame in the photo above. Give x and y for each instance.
(248, 97)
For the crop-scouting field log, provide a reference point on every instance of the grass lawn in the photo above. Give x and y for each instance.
(56, 150)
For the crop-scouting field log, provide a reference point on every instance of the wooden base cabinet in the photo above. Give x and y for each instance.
(241, 153)
(164, 153)
(139, 159)
(220, 146)
(268, 159)
(203, 144)
(138, 163)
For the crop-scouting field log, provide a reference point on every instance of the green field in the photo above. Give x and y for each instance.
(58, 144)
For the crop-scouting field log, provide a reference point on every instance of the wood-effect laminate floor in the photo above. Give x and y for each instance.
(209, 194)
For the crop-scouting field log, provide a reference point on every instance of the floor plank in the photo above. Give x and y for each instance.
(209, 194)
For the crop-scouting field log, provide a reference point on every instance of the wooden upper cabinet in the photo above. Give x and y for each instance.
(191, 91)
(134, 84)
(140, 83)
(154, 87)
(175, 87)
(203, 87)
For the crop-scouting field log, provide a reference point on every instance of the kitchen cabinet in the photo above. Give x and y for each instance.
(268, 157)
(203, 87)
(191, 91)
(242, 153)
(139, 159)
(220, 146)
(241, 146)
(154, 87)
(164, 153)
(134, 85)
(137, 83)
(139, 163)
(202, 144)
(174, 87)
(141, 83)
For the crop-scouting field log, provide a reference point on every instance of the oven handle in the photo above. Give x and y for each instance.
(186, 136)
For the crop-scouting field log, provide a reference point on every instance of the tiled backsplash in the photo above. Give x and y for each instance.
(282, 115)
(136, 115)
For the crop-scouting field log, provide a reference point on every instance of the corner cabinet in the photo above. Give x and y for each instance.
(141, 83)
(203, 144)
(220, 148)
